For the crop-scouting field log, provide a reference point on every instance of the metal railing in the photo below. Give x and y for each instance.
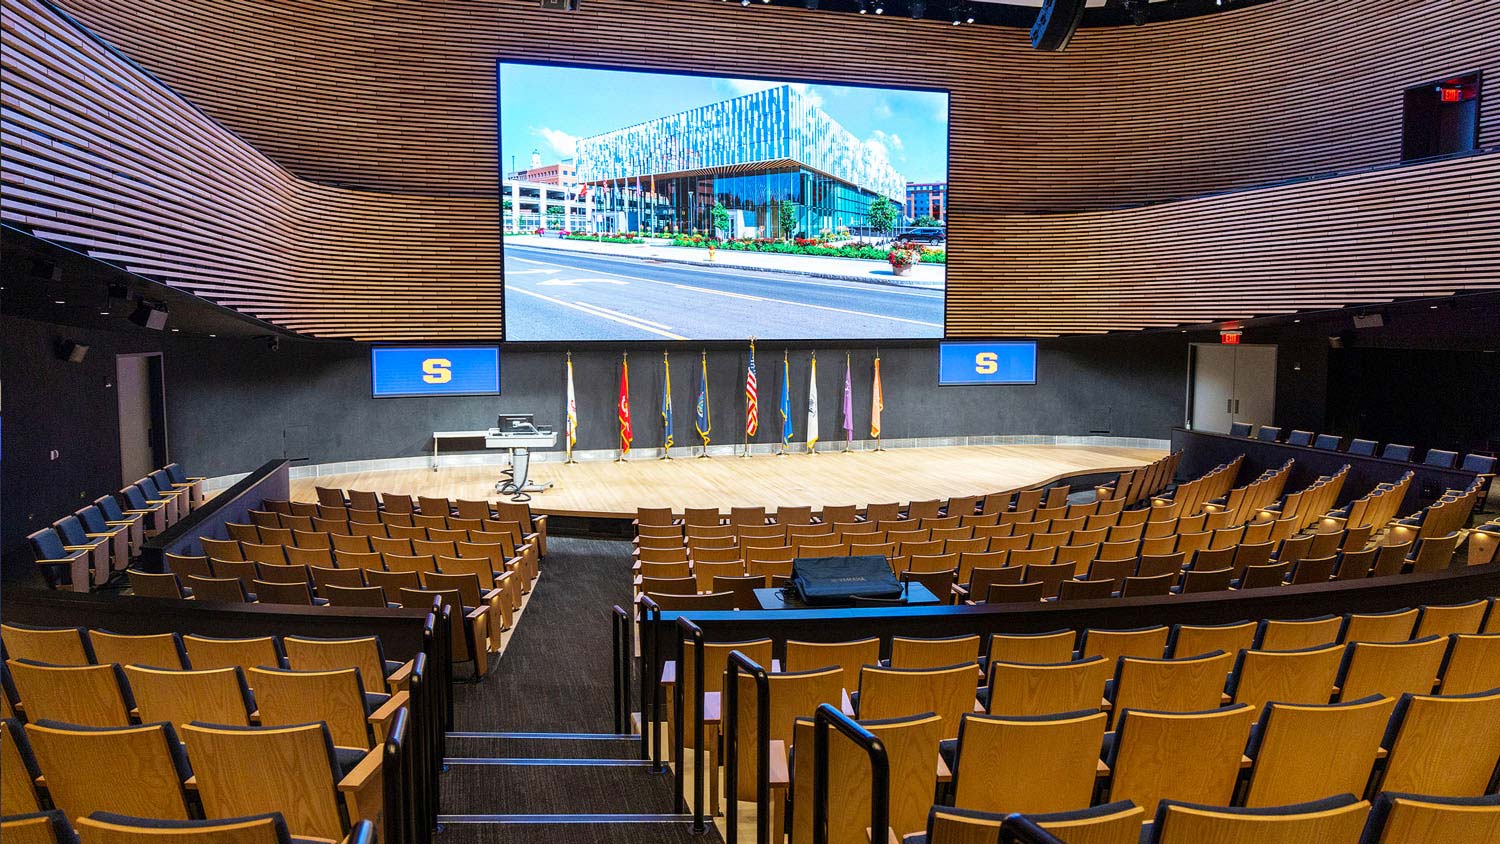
(825, 720)
(620, 622)
(739, 663)
(690, 631)
(649, 615)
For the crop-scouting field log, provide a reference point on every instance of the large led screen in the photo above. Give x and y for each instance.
(644, 206)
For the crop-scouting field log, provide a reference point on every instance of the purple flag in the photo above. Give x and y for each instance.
(848, 403)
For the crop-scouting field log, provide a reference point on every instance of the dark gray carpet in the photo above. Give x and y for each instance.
(555, 674)
(599, 833)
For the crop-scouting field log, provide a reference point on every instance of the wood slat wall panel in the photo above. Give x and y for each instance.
(400, 94)
(100, 156)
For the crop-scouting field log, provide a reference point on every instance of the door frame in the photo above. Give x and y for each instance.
(1192, 372)
(156, 371)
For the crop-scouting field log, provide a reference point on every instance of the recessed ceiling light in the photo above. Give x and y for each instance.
(176, 329)
(213, 335)
(58, 302)
(104, 313)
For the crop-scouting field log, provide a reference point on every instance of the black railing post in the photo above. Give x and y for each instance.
(650, 684)
(731, 718)
(1016, 829)
(621, 658)
(687, 629)
(824, 719)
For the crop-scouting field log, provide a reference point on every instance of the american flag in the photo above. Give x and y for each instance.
(752, 403)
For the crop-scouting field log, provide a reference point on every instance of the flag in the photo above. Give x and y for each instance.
(703, 423)
(752, 398)
(666, 402)
(624, 405)
(877, 401)
(812, 403)
(572, 410)
(786, 401)
(848, 402)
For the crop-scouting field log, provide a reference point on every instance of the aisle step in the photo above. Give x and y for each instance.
(582, 784)
(562, 819)
(607, 746)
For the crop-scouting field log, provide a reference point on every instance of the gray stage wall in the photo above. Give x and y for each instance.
(235, 404)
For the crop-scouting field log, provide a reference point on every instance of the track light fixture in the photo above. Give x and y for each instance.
(962, 13)
(862, 8)
(879, 7)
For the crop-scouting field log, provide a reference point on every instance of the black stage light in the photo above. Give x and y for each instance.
(862, 8)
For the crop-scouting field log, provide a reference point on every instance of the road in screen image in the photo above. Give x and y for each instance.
(553, 294)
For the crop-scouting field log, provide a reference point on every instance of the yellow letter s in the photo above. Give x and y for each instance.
(986, 363)
(437, 370)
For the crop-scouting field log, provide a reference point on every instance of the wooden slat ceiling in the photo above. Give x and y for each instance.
(354, 196)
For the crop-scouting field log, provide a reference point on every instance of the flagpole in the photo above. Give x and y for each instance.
(849, 438)
(624, 376)
(703, 389)
(572, 412)
(666, 374)
(746, 428)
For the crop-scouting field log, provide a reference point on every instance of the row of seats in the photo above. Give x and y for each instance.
(84, 550)
(360, 505)
(1051, 701)
(208, 728)
(1392, 818)
(1481, 464)
(53, 827)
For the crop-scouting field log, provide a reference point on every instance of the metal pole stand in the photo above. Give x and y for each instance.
(877, 445)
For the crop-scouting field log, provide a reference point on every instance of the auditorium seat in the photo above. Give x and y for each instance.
(694, 602)
(1145, 772)
(1304, 751)
(1147, 642)
(179, 697)
(1362, 448)
(18, 771)
(1144, 586)
(1444, 619)
(1327, 442)
(294, 770)
(1330, 820)
(1266, 433)
(1435, 553)
(1398, 818)
(1084, 590)
(60, 564)
(1240, 429)
(1305, 675)
(1299, 437)
(1472, 664)
(87, 695)
(52, 645)
(164, 650)
(1314, 570)
(896, 692)
(468, 631)
(336, 697)
(96, 528)
(348, 596)
(1392, 626)
(218, 589)
(1391, 668)
(148, 585)
(70, 758)
(1015, 593)
(1190, 639)
(911, 744)
(1186, 684)
(1442, 745)
(1042, 763)
(114, 516)
(1393, 451)
(1289, 634)
(218, 652)
(933, 653)
(1020, 689)
(850, 656)
(222, 549)
(293, 594)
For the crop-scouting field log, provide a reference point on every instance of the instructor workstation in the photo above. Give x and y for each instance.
(760, 422)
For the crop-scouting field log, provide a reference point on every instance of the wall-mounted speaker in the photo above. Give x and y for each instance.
(152, 315)
(1055, 24)
(71, 352)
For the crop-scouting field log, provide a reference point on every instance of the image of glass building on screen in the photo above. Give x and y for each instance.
(640, 206)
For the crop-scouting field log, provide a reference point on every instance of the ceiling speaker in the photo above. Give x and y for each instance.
(1055, 24)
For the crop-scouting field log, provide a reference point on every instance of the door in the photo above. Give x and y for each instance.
(1212, 387)
(142, 414)
(1255, 384)
(1231, 384)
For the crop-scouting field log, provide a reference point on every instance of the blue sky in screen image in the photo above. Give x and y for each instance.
(548, 108)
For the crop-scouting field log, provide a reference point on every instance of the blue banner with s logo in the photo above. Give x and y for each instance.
(987, 363)
(435, 371)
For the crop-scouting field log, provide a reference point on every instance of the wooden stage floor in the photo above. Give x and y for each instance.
(605, 489)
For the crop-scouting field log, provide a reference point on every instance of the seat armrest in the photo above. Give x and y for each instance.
(399, 678)
(123, 522)
(61, 562)
(363, 788)
(380, 719)
(89, 547)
